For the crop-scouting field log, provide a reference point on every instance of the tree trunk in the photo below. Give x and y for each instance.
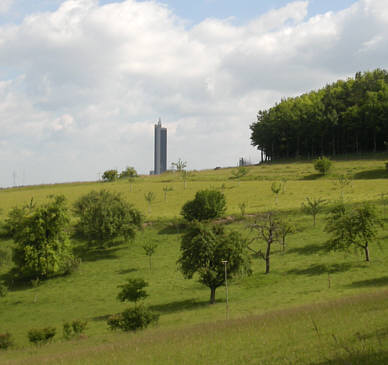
(267, 256)
(374, 141)
(212, 295)
(366, 249)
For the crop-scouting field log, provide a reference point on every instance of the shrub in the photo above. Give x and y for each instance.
(322, 164)
(105, 215)
(3, 290)
(207, 204)
(6, 340)
(386, 166)
(75, 328)
(133, 290)
(41, 336)
(132, 319)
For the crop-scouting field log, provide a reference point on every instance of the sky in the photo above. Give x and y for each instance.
(82, 82)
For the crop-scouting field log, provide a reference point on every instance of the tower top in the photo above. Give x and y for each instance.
(159, 122)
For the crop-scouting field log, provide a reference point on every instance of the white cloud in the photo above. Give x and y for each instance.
(81, 87)
(5, 5)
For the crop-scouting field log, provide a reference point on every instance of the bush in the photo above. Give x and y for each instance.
(3, 290)
(132, 319)
(207, 204)
(386, 166)
(5, 340)
(73, 329)
(105, 215)
(323, 165)
(41, 336)
(110, 175)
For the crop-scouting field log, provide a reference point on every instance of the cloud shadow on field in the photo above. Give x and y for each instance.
(188, 304)
(318, 269)
(371, 174)
(379, 282)
(308, 249)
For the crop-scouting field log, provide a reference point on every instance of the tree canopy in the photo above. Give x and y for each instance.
(343, 117)
(42, 246)
(204, 248)
(105, 215)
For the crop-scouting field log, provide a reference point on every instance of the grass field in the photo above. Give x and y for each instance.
(290, 316)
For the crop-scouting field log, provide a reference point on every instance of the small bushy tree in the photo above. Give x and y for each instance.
(105, 215)
(166, 189)
(207, 204)
(313, 207)
(322, 165)
(149, 197)
(110, 175)
(136, 317)
(150, 248)
(133, 290)
(204, 247)
(129, 172)
(352, 228)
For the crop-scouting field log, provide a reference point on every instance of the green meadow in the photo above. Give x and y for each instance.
(315, 306)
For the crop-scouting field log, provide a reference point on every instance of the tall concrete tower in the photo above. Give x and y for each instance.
(160, 155)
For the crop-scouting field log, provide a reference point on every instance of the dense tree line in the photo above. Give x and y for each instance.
(343, 117)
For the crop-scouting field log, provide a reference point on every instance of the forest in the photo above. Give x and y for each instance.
(343, 117)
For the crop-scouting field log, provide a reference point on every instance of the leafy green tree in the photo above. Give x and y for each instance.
(110, 175)
(323, 165)
(104, 216)
(40, 233)
(357, 227)
(133, 290)
(207, 204)
(204, 247)
(313, 207)
(129, 172)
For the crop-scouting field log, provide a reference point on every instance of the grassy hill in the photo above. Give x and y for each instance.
(314, 307)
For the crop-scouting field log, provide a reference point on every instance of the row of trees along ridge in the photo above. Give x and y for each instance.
(344, 117)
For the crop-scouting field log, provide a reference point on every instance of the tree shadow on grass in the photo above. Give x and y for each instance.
(312, 177)
(173, 228)
(188, 304)
(318, 269)
(383, 281)
(126, 271)
(308, 249)
(371, 174)
(96, 254)
(357, 357)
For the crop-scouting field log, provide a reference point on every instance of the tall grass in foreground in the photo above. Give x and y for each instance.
(353, 331)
